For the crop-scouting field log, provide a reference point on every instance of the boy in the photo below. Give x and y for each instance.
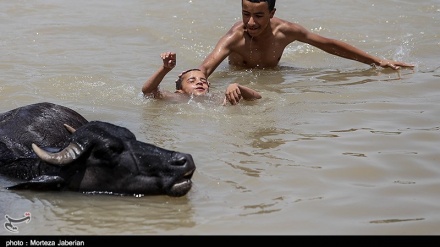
(190, 83)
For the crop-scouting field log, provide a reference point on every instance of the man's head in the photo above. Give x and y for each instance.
(192, 82)
(271, 3)
(256, 15)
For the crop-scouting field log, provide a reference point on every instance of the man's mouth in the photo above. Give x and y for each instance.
(251, 28)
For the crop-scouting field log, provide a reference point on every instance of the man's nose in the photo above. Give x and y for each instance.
(251, 21)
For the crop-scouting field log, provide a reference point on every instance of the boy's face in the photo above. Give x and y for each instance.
(195, 83)
(256, 16)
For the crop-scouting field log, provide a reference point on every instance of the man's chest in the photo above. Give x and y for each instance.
(255, 54)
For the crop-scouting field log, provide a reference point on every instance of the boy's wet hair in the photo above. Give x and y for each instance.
(179, 79)
(271, 3)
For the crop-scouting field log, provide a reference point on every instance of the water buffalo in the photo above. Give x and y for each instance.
(52, 147)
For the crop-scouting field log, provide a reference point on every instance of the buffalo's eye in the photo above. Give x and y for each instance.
(108, 150)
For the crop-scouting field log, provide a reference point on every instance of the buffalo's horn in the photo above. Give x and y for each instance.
(70, 128)
(64, 157)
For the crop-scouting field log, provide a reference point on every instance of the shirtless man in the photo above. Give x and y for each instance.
(260, 39)
(192, 82)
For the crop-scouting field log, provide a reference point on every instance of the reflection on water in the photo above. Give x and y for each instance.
(100, 214)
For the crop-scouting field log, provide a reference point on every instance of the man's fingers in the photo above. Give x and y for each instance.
(236, 96)
(231, 98)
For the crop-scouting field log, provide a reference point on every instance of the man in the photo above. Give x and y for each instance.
(260, 39)
(191, 83)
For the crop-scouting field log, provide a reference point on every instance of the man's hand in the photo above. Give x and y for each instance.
(233, 94)
(394, 65)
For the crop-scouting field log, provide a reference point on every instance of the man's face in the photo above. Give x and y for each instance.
(256, 16)
(195, 83)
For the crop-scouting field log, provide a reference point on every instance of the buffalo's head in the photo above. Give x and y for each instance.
(102, 157)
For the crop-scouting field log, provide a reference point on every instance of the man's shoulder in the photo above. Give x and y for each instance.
(236, 32)
(282, 22)
(238, 27)
(285, 26)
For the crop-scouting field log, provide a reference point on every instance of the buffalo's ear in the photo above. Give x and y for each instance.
(40, 183)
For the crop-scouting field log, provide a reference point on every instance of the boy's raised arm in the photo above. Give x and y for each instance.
(151, 86)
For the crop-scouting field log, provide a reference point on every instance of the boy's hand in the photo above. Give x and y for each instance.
(169, 59)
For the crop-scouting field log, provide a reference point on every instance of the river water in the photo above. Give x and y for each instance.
(334, 147)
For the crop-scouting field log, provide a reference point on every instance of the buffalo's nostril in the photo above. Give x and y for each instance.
(180, 160)
(183, 159)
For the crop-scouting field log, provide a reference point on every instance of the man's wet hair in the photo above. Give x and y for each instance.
(271, 3)
(179, 79)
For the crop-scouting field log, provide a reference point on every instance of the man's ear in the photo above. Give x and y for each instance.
(179, 91)
(272, 13)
